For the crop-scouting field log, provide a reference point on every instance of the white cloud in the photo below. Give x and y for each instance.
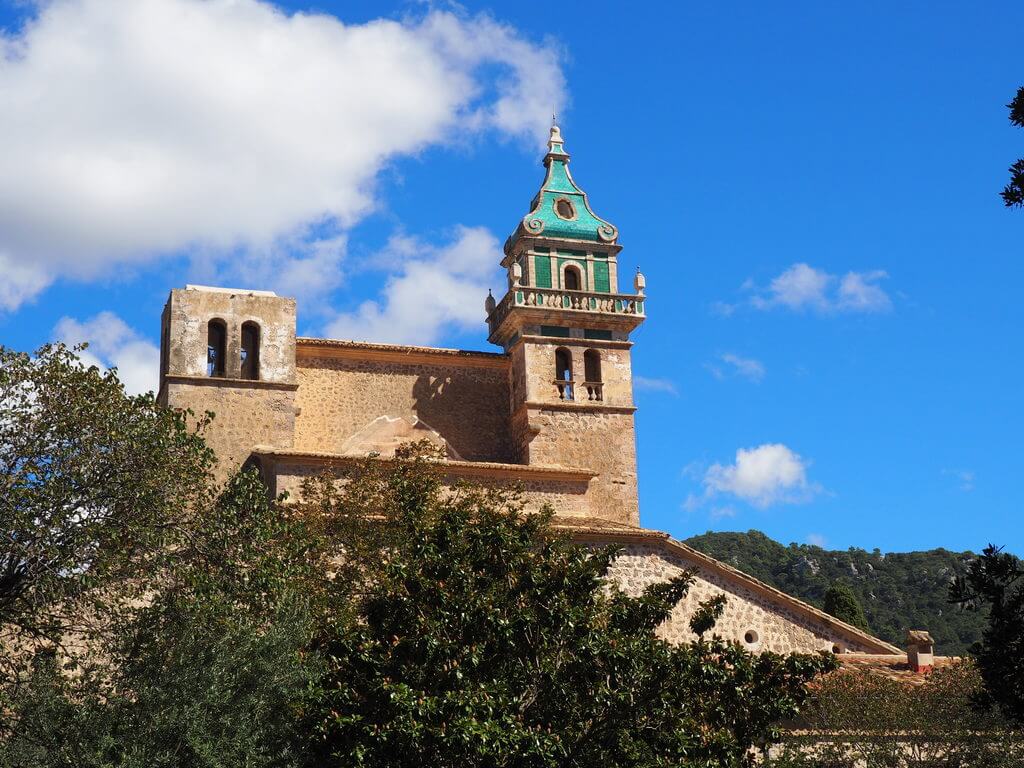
(650, 384)
(735, 365)
(859, 292)
(816, 540)
(20, 281)
(431, 290)
(803, 288)
(113, 344)
(141, 129)
(964, 478)
(763, 476)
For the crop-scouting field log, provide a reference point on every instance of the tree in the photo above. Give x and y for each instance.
(481, 638)
(94, 483)
(859, 718)
(1013, 193)
(168, 621)
(841, 602)
(213, 671)
(996, 580)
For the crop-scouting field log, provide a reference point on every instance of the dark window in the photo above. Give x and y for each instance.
(572, 279)
(216, 345)
(563, 373)
(565, 209)
(250, 351)
(592, 365)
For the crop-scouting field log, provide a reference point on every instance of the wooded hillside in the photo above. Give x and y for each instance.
(897, 590)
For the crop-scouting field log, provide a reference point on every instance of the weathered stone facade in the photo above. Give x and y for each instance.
(552, 413)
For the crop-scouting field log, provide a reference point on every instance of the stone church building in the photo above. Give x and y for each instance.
(551, 411)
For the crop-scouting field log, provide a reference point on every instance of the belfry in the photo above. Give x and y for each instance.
(550, 414)
(566, 329)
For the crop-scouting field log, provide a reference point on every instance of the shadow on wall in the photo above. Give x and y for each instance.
(471, 415)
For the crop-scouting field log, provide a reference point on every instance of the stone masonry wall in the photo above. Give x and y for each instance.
(244, 416)
(603, 441)
(566, 497)
(466, 405)
(774, 627)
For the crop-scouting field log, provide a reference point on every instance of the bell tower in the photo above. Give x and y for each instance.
(567, 329)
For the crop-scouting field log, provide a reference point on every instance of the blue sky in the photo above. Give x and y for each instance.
(833, 351)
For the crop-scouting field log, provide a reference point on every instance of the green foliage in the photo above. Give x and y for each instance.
(898, 591)
(212, 672)
(866, 720)
(841, 602)
(484, 639)
(154, 618)
(996, 580)
(95, 485)
(1013, 193)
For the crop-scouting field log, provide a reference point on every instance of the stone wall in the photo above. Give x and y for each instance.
(189, 311)
(463, 399)
(750, 614)
(246, 414)
(566, 494)
(599, 439)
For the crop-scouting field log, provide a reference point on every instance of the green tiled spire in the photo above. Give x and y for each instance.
(561, 208)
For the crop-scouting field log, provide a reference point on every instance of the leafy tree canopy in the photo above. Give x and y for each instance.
(841, 602)
(95, 484)
(996, 580)
(482, 638)
(869, 720)
(383, 622)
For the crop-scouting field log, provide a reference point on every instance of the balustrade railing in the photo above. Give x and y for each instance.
(595, 390)
(564, 387)
(575, 301)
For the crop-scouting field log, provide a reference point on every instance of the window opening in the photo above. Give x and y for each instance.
(572, 279)
(250, 351)
(563, 374)
(216, 345)
(592, 369)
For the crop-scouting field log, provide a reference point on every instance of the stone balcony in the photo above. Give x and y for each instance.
(605, 310)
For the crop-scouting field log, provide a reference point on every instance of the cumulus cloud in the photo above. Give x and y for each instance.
(802, 288)
(433, 289)
(649, 384)
(20, 280)
(112, 343)
(729, 364)
(137, 130)
(816, 540)
(764, 476)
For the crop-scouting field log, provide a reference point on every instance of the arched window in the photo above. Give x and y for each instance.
(572, 279)
(592, 369)
(250, 351)
(216, 346)
(563, 374)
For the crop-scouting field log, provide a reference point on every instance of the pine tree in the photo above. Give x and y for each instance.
(841, 602)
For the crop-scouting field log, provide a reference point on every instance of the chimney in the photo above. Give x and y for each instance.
(920, 650)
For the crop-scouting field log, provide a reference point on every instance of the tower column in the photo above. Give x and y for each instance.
(571, 378)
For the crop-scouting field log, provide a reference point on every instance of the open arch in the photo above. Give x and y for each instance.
(592, 372)
(216, 347)
(250, 351)
(572, 278)
(563, 373)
